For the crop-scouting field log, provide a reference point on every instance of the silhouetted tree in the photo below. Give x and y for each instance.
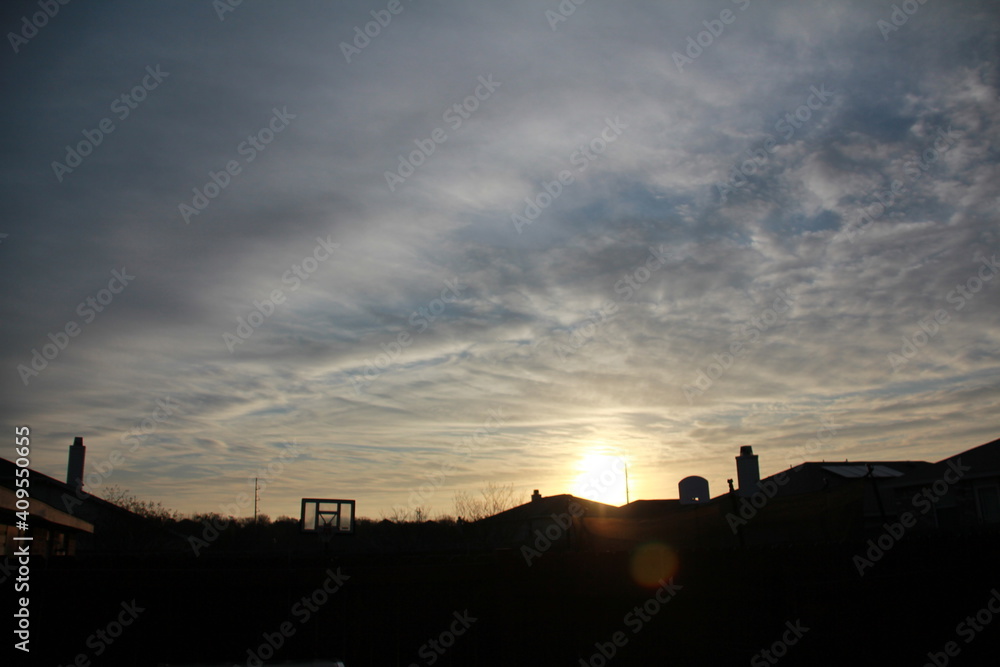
(145, 508)
(495, 499)
(417, 514)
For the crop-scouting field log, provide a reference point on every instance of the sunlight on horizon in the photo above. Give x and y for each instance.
(601, 476)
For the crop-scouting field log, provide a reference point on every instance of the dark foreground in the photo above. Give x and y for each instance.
(805, 605)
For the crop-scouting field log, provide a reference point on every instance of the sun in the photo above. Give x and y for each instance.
(601, 476)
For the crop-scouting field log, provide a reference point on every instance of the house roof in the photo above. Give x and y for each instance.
(40, 480)
(549, 505)
(977, 462)
(983, 461)
(643, 509)
(854, 470)
(42, 512)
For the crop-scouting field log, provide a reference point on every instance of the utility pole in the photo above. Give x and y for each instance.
(255, 498)
(626, 483)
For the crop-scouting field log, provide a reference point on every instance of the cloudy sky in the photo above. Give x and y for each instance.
(495, 241)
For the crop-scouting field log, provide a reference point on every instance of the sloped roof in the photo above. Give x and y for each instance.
(814, 476)
(854, 470)
(982, 461)
(985, 456)
(550, 505)
(42, 512)
(643, 509)
(40, 481)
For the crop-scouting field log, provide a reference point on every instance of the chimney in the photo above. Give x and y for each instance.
(536, 496)
(74, 471)
(747, 471)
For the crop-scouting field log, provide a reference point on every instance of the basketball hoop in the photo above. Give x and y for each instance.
(327, 517)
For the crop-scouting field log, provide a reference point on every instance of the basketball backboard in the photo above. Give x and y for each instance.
(327, 516)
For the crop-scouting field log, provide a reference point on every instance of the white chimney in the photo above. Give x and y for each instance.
(74, 471)
(747, 471)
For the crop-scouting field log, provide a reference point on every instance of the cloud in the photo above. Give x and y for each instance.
(559, 326)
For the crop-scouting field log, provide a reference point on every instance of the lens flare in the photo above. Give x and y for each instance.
(653, 562)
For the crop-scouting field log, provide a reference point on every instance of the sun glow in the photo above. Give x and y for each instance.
(601, 476)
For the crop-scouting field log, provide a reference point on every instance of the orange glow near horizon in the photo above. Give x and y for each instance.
(601, 476)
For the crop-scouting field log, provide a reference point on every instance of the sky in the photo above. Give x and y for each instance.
(392, 251)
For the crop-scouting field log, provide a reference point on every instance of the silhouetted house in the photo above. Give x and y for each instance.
(815, 502)
(872, 481)
(53, 532)
(960, 493)
(648, 509)
(669, 521)
(543, 523)
(66, 520)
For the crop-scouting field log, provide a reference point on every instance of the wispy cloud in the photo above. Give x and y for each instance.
(858, 173)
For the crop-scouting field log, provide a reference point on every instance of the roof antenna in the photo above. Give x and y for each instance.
(626, 483)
